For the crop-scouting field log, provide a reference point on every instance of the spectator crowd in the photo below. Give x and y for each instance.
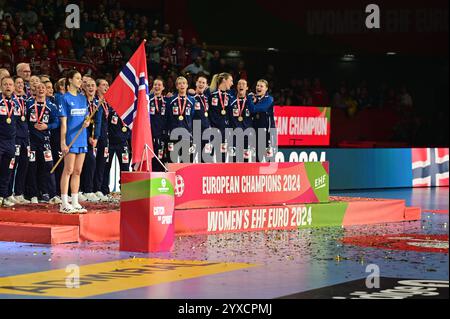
(34, 32)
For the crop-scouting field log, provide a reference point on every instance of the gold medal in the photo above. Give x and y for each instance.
(8, 120)
(22, 118)
(181, 117)
(206, 114)
(223, 112)
(124, 129)
(240, 118)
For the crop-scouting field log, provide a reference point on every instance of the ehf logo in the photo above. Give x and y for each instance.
(179, 186)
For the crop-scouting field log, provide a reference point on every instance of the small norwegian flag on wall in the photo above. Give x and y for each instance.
(430, 167)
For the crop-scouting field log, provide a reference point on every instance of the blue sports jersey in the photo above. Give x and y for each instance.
(263, 111)
(177, 117)
(158, 118)
(96, 121)
(75, 108)
(240, 115)
(219, 102)
(37, 114)
(10, 110)
(202, 110)
(22, 125)
(103, 111)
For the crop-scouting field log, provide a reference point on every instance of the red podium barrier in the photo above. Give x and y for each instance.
(146, 212)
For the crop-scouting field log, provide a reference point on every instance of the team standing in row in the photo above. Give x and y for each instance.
(37, 126)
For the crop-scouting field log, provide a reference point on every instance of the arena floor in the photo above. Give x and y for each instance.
(273, 264)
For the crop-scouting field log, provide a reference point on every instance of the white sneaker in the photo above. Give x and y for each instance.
(21, 200)
(91, 197)
(81, 197)
(79, 209)
(12, 199)
(7, 203)
(67, 209)
(34, 200)
(102, 197)
(55, 200)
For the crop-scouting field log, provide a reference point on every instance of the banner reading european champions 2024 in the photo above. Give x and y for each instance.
(249, 184)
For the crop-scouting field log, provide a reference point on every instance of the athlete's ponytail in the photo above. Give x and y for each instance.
(217, 80)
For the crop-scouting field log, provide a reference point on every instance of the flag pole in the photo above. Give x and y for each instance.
(149, 148)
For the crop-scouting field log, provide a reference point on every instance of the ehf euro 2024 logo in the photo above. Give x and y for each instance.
(179, 186)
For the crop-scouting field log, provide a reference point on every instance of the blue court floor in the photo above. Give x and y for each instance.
(258, 265)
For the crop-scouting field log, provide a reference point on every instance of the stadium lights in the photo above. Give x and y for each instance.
(234, 54)
(348, 57)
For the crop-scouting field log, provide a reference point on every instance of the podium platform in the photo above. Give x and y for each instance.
(102, 223)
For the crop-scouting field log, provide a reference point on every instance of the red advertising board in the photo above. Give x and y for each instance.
(248, 184)
(303, 125)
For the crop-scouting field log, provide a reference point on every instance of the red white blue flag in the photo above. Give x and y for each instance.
(430, 167)
(128, 96)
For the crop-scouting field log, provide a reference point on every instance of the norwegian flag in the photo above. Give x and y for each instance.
(430, 167)
(128, 96)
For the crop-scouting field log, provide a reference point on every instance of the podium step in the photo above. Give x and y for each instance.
(101, 223)
(38, 233)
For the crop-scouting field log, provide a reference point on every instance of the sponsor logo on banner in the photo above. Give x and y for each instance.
(320, 182)
(412, 242)
(163, 188)
(390, 288)
(160, 212)
(179, 186)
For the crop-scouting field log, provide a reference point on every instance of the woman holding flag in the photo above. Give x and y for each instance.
(73, 112)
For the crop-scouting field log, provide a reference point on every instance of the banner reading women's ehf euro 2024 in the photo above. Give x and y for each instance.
(248, 184)
(303, 125)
